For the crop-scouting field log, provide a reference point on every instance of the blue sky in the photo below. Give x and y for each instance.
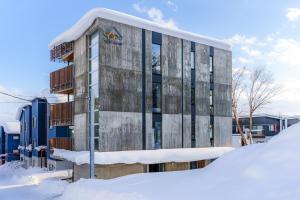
(263, 33)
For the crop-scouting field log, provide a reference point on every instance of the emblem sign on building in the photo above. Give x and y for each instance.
(113, 36)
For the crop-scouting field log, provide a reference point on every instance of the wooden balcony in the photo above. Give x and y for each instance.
(61, 114)
(62, 80)
(60, 143)
(62, 52)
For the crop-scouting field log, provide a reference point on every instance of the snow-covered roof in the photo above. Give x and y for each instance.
(271, 116)
(11, 127)
(86, 21)
(143, 156)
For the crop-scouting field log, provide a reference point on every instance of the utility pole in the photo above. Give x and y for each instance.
(92, 147)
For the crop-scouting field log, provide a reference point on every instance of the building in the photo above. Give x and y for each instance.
(10, 136)
(141, 86)
(25, 118)
(2, 145)
(39, 132)
(264, 127)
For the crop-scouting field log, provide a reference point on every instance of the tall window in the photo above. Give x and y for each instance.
(211, 96)
(193, 96)
(156, 90)
(156, 69)
(94, 82)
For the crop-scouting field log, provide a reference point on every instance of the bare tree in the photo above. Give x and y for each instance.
(260, 91)
(238, 88)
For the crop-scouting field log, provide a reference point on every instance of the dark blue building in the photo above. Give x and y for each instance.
(25, 134)
(2, 145)
(39, 132)
(12, 141)
(10, 137)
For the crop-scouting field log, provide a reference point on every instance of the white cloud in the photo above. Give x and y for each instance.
(172, 5)
(251, 52)
(244, 60)
(285, 52)
(156, 15)
(238, 39)
(293, 14)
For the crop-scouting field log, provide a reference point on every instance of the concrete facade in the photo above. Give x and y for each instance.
(120, 102)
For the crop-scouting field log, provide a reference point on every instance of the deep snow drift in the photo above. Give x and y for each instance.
(33, 184)
(267, 171)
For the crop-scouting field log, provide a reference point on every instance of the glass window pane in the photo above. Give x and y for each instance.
(193, 60)
(94, 64)
(157, 135)
(94, 51)
(94, 78)
(94, 39)
(96, 144)
(96, 90)
(96, 116)
(211, 64)
(156, 92)
(96, 131)
(156, 59)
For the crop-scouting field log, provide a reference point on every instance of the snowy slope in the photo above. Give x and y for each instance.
(267, 171)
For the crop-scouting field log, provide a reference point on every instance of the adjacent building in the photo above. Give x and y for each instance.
(25, 118)
(2, 145)
(39, 132)
(10, 137)
(141, 86)
(264, 127)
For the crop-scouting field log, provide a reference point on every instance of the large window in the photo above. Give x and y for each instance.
(193, 96)
(156, 90)
(211, 96)
(94, 83)
(156, 68)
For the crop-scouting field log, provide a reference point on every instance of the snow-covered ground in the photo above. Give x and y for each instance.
(32, 184)
(268, 171)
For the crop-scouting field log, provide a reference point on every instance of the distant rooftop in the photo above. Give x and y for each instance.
(11, 127)
(271, 116)
(87, 20)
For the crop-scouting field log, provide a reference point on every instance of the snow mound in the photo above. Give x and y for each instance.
(143, 156)
(86, 21)
(268, 171)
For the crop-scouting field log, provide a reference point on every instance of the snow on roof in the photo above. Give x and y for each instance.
(86, 21)
(11, 127)
(20, 110)
(143, 156)
(271, 116)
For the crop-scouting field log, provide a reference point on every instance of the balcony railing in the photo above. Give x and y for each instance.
(63, 52)
(62, 80)
(61, 114)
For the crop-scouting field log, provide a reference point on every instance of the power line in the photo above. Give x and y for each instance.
(13, 96)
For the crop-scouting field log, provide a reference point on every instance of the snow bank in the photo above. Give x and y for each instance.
(143, 156)
(86, 21)
(32, 184)
(268, 171)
